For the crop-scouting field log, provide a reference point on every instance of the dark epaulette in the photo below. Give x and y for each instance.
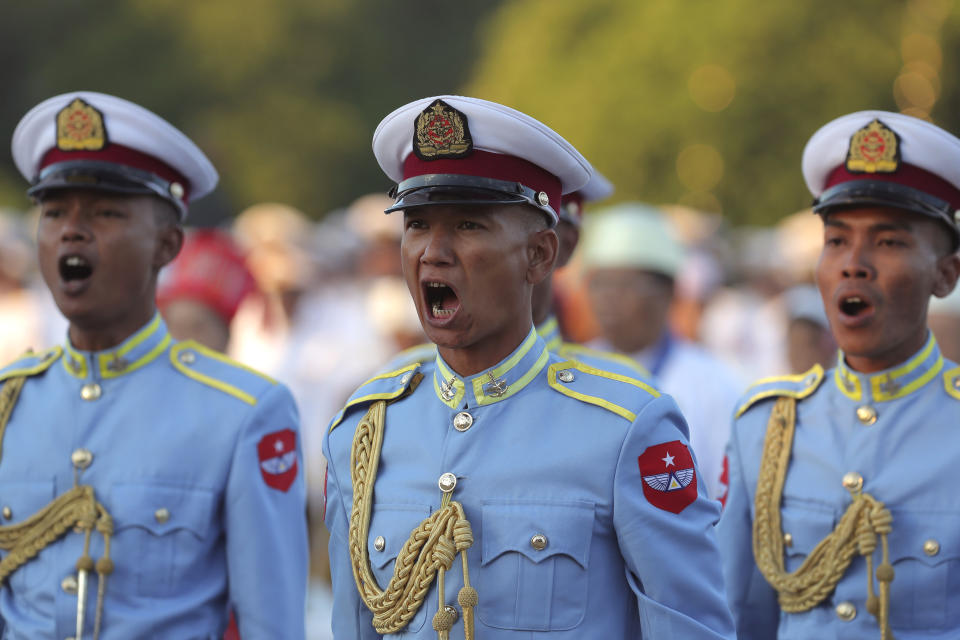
(31, 363)
(797, 386)
(612, 391)
(386, 386)
(216, 370)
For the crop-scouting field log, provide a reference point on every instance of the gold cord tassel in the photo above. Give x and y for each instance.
(821, 570)
(427, 554)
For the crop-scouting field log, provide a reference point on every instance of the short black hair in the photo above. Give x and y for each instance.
(164, 213)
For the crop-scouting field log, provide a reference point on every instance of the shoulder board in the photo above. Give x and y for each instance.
(216, 370)
(386, 386)
(951, 382)
(31, 363)
(419, 353)
(612, 391)
(795, 386)
(576, 351)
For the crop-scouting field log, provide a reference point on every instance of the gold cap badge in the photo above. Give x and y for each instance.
(874, 149)
(441, 131)
(80, 128)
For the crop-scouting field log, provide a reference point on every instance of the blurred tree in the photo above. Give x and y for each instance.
(700, 102)
(284, 95)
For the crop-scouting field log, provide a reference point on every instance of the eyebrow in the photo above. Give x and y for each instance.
(880, 226)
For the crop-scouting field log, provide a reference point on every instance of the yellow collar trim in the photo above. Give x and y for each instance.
(513, 374)
(894, 383)
(549, 330)
(133, 353)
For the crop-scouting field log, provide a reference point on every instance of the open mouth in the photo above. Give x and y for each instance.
(854, 306)
(442, 301)
(74, 268)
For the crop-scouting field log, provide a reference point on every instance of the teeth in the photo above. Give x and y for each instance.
(441, 313)
(75, 261)
(435, 285)
(854, 299)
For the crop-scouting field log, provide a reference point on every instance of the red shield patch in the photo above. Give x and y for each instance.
(725, 480)
(277, 452)
(669, 479)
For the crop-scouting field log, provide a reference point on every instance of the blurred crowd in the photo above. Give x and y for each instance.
(322, 306)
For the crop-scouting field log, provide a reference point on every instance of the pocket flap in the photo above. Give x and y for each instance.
(537, 530)
(930, 537)
(393, 523)
(162, 509)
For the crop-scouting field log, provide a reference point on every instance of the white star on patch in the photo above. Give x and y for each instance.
(668, 460)
(278, 446)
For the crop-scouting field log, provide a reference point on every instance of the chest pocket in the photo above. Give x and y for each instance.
(534, 560)
(25, 499)
(925, 552)
(804, 527)
(390, 528)
(162, 534)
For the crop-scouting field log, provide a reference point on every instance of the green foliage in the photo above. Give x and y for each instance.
(620, 80)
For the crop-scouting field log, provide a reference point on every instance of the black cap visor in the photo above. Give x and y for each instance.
(438, 189)
(876, 193)
(103, 176)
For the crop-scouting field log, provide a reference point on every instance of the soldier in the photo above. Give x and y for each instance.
(499, 489)
(840, 479)
(146, 485)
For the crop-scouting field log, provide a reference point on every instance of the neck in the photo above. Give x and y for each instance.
(542, 301)
(100, 338)
(467, 361)
(897, 355)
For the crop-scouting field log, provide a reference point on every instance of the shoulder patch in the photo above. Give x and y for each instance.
(794, 386)
(951, 382)
(31, 363)
(589, 356)
(612, 391)
(216, 370)
(385, 386)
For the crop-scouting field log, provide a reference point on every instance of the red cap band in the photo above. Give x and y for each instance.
(119, 154)
(908, 175)
(487, 164)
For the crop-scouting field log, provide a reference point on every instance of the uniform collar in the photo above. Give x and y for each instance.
(133, 353)
(496, 383)
(549, 330)
(892, 383)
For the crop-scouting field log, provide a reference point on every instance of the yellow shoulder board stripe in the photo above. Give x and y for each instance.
(794, 386)
(596, 400)
(951, 382)
(406, 387)
(226, 387)
(28, 365)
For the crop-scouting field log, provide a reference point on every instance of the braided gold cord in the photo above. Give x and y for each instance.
(430, 549)
(821, 570)
(8, 400)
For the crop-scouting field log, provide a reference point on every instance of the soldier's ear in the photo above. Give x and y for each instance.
(948, 270)
(169, 243)
(542, 249)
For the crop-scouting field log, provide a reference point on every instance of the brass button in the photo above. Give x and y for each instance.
(81, 458)
(462, 421)
(90, 391)
(162, 514)
(846, 611)
(866, 414)
(406, 378)
(7, 513)
(188, 357)
(176, 190)
(380, 543)
(447, 482)
(787, 540)
(543, 198)
(931, 547)
(451, 612)
(565, 376)
(538, 541)
(69, 584)
(853, 481)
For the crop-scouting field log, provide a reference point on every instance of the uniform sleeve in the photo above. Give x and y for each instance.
(666, 530)
(266, 529)
(351, 618)
(752, 600)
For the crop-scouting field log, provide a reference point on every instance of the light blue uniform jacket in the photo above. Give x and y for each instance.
(176, 428)
(551, 457)
(906, 458)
